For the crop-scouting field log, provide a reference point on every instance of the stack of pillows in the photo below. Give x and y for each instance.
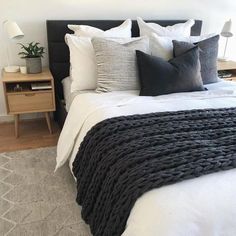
(162, 60)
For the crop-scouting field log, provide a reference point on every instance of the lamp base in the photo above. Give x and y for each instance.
(12, 69)
(223, 59)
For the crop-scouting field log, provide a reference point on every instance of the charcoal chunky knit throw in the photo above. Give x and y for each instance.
(122, 158)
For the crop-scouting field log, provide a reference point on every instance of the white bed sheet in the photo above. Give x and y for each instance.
(68, 95)
(203, 206)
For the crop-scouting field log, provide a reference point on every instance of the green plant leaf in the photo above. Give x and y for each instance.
(32, 50)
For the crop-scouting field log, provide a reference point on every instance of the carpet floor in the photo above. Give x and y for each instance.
(36, 201)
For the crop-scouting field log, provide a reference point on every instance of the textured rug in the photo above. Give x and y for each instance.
(36, 201)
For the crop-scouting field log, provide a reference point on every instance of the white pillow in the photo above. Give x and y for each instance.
(163, 46)
(83, 62)
(82, 55)
(122, 31)
(180, 29)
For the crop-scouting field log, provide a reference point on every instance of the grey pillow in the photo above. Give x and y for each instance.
(180, 74)
(117, 64)
(208, 56)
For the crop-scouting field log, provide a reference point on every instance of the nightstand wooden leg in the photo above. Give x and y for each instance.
(17, 126)
(47, 115)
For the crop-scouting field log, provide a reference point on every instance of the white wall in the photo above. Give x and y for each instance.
(32, 14)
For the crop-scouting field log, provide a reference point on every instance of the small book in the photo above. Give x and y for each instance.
(41, 86)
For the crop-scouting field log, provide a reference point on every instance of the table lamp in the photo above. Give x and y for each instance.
(13, 31)
(227, 33)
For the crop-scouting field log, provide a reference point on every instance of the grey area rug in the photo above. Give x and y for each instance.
(36, 201)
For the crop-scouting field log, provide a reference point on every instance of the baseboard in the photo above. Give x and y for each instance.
(10, 118)
(6, 118)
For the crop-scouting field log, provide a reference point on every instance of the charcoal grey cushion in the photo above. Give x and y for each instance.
(117, 63)
(208, 56)
(180, 74)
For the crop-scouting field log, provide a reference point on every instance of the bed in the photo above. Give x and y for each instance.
(59, 53)
(199, 206)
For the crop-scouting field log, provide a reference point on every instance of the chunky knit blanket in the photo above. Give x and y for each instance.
(122, 158)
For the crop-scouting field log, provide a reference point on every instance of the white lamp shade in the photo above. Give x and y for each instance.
(227, 29)
(13, 30)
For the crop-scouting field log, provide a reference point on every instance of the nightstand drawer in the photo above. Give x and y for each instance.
(28, 102)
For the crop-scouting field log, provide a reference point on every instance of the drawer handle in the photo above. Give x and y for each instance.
(29, 94)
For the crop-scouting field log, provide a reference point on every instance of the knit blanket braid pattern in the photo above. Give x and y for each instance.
(122, 158)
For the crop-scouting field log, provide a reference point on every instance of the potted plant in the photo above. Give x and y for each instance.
(32, 54)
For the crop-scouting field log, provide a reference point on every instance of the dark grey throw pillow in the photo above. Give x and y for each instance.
(180, 74)
(208, 56)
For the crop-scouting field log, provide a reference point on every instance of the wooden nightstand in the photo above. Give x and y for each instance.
(28, 100)
(229, 66)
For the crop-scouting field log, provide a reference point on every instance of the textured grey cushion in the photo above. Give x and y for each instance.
(180, 74)
(208, 56)
(117, 64)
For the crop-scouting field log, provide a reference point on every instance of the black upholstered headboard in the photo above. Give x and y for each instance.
(58, 50)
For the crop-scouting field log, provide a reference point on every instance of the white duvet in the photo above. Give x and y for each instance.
(199, 207)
